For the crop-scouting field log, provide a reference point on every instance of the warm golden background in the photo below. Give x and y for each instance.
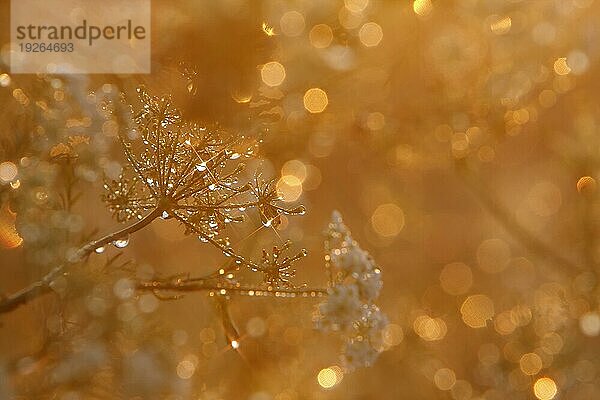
(459, 139)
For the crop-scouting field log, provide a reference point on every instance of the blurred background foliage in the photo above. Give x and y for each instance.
(458, 139)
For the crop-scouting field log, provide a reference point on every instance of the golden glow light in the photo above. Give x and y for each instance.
(356, 6)
(315, 100)
(500, 26)
(320, 36)
(289, 187)
(422, 7)
(530, 363)
(586, 184)
(456, 278)
(545, 388)
(444, 378)
(370, 34)
(4, 80)
(292, 23)
(8, 171)
(329, 377)
(561, 67)
(9, 237)
(476, 310)
(272, 73)
(388, 220)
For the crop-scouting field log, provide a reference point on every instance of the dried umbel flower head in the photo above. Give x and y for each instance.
(355, 283)
(178, 169)
(277, 270)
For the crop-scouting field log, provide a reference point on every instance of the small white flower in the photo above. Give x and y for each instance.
(352, 260)
(349, 307)
(369, 285)
(342, 308)
(358, 353)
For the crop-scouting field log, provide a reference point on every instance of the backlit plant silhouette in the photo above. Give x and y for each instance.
(195, 175)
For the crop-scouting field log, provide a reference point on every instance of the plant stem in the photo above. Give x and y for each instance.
(208, 286)
(510, 223)
(42, 286)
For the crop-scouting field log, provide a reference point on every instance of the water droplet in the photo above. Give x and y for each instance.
(212, 186)
(301, 210)
(100, 250)
(121, 243)
(165, 215)
(235, 156)
(201, 167)
(268, 223)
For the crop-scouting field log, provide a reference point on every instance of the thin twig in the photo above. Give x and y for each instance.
(42, 286)
(194, 285)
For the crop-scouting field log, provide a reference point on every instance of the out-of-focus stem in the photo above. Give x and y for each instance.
(510, 223)
(42, 286)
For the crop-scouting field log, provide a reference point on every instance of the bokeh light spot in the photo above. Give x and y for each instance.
(456, 278)
(329, 377)
(500, 25)
(320, 36)
(586, 185)
(561, 67)
(387, 220)
(590, 323)
(545, 388)
(444, 378)
(289, 187)
(315, 100)
(422, 7)
(370, 34)
(295, 168)
(4, 80)
(375, 121)
(476, 310)
(272, 73)
(530, 363)
(8, 171)
(292, 23)
(356, 5)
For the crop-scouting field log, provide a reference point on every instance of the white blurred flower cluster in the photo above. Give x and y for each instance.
(355, 283)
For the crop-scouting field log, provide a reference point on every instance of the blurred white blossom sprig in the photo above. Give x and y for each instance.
(354, 286)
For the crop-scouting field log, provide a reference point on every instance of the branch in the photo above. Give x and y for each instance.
(220, 288)
(41, 287)
(510, 223)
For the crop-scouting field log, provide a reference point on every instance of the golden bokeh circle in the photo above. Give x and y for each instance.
(545, 388)
(273, 73)
(315, 100)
